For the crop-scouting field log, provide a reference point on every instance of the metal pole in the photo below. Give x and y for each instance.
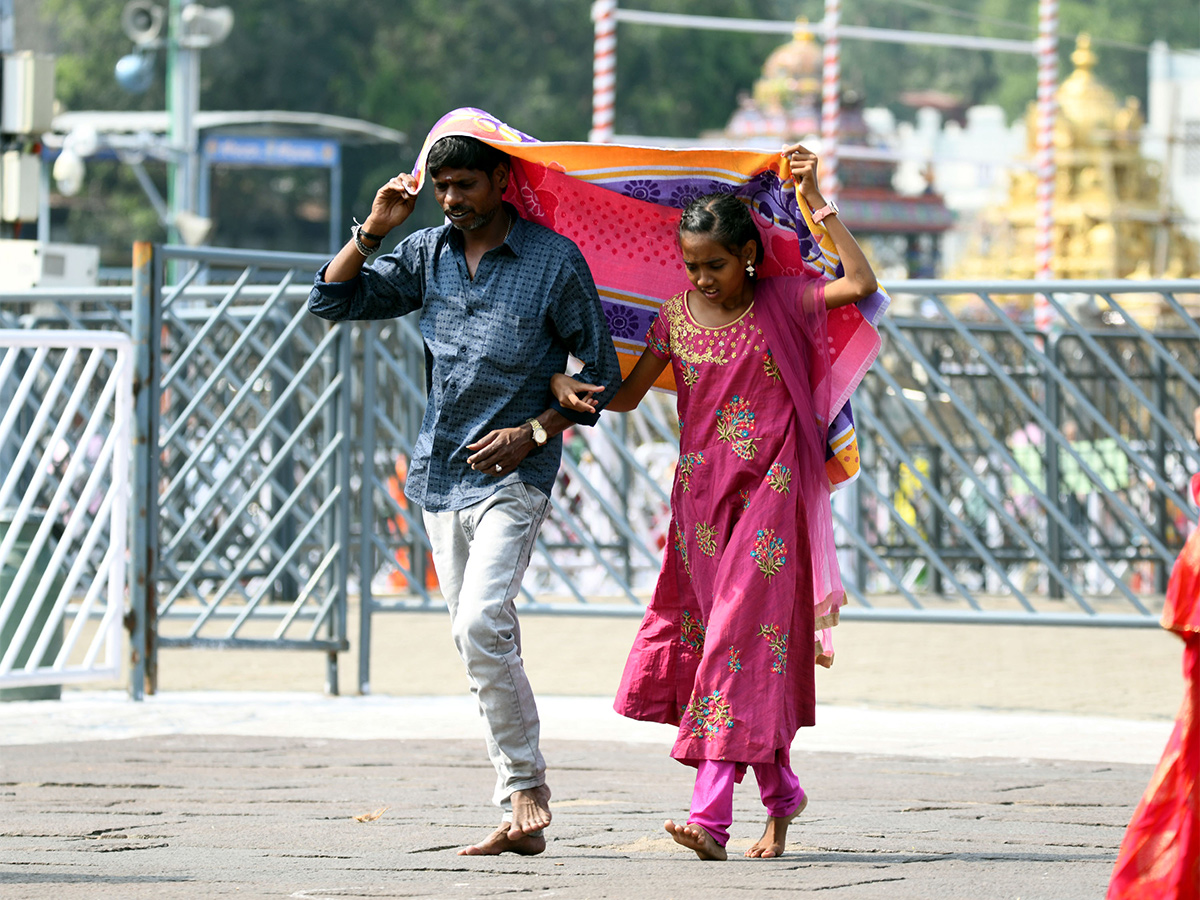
(144, 518)
(337, 623)
(1047, 87)
(604, 71)
(1054, 537)
(7, 28)
(1158, 451)
(177, 116)
(43, 223)
(183, 101)
(366, 563)
(335, 206)
(831, 101)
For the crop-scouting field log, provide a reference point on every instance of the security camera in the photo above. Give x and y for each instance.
(142, 21)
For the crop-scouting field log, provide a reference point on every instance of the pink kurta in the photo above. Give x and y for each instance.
(725, 650)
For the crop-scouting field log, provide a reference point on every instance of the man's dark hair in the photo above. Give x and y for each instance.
(725, 219)
(462, 152)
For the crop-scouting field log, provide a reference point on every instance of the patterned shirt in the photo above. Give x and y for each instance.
(491, 345)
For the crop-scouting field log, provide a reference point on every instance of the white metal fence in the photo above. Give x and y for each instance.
(65, 441)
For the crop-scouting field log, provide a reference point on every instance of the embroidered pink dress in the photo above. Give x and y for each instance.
(725, 650)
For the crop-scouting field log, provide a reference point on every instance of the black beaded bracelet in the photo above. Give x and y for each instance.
(362, 232)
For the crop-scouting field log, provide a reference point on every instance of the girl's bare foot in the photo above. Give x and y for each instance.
(531, 812)
(774, 838)
(696, 838)
(499, 842)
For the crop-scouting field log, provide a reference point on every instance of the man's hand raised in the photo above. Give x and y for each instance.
(393, 204)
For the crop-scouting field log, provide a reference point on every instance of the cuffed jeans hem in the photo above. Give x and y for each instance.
(505, 803)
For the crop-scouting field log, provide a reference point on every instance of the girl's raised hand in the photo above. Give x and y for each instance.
(803, 165)
(574, 395)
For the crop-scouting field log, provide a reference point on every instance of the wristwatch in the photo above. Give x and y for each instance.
(829, 209)
(539, 433)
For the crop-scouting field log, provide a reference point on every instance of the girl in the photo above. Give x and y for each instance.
(723, 651)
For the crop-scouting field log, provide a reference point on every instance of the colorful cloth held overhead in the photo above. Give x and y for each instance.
(621, 206)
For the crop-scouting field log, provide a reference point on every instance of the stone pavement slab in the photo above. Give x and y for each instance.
(933, 733)
(947, 762)
(216, 794)
(223, 816)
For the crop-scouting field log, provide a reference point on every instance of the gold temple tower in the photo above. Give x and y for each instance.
(898, 232)
(1112, 218)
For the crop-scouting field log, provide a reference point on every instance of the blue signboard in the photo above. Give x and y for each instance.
(253, 151)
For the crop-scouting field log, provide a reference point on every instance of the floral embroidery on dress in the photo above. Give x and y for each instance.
(681, 546)
(769, 552)
(708, 714)
(706, 538)
(692, 632)
(771, 367)
(778, 644)
(745, 495)
(654, 342)
(687, 465)
(735, 659)
(690, 373)
(735, 424)
(779, 477)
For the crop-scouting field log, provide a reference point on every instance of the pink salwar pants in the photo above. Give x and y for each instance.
(712, 797)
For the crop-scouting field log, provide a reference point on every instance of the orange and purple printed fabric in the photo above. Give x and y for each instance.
(621, 206)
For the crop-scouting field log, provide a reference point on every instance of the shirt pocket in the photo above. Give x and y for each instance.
(513, 343)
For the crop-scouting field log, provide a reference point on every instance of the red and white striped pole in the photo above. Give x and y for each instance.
(1047, 88)
(831, 100)
(604, 70)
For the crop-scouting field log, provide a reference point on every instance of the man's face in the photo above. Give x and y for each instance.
(470, 198)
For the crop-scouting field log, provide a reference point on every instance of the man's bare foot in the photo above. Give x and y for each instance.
(531, 812)
(499, 842)
(774, 838)
(695, 838)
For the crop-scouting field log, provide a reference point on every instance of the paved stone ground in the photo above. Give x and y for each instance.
(187, 816)
(958, 762)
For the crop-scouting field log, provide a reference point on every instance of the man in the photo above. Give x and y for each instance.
(503, 301)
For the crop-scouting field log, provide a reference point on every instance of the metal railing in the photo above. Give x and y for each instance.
(1031, 477)
(66, 414)
(1007, 475)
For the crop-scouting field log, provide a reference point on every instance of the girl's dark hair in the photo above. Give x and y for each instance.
(725, 219)
(462, 152)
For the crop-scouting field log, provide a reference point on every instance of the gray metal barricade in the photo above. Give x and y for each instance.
(244, 456)
(1007, 475)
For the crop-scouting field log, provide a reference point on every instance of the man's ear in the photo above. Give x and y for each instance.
(501, 175)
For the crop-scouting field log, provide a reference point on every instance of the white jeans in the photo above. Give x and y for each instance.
(480, 554)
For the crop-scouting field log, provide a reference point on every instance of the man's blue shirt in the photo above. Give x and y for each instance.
(492, 344)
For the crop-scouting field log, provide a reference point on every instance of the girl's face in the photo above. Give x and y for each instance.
(716, 272)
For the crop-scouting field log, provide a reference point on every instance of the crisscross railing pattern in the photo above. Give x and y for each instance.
(1024, 474)
(251, 461)
(66, 411)
(1007, 475)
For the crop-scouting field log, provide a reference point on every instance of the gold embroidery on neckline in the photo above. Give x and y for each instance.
(692, 343)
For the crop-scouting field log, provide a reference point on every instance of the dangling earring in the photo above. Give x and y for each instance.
(750, 268)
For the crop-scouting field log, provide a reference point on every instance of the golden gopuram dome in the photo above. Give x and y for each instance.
(786, 99)
(792, 70)
(1111, 217)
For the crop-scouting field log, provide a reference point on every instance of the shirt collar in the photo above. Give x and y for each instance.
(516, 238)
